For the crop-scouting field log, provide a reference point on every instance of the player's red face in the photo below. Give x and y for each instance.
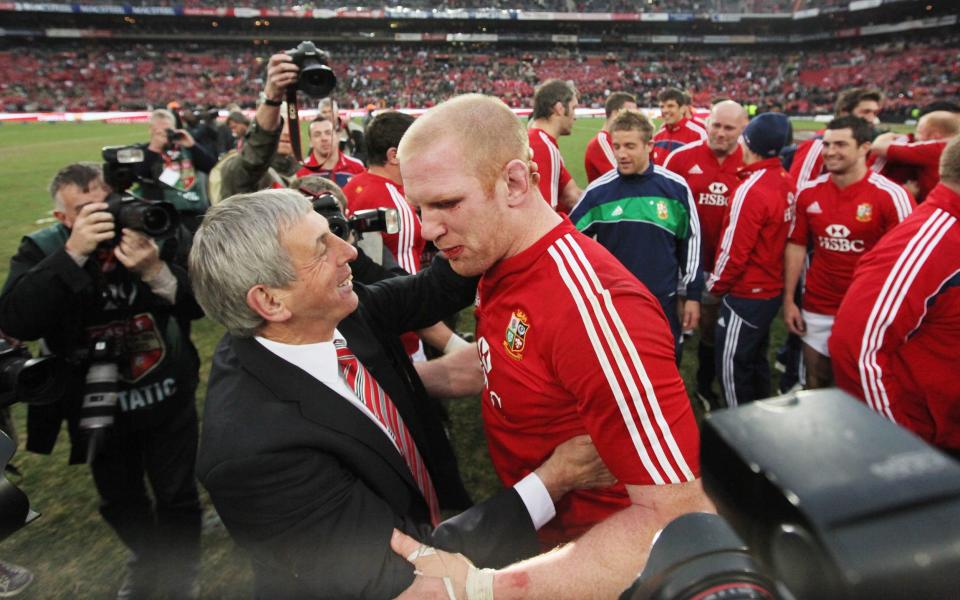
(321, 138)
(569, 116)
(671, 112)
(724, 129)
(323, 289)
(868, 110)
(457, 214)
(841, 152)
(632, 151)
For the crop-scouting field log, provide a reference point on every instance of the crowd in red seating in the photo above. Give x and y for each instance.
(97, 76)
(624, 6)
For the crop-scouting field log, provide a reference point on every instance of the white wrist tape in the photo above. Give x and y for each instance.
(480, 584)
(455, 343)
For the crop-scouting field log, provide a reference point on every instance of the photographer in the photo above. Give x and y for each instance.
(175, 169)
(265, 158)
(82, 285)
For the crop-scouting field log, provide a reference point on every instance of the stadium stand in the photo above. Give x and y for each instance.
(92, 75)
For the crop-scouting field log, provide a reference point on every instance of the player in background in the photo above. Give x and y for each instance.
(840, 216)
(934, 130)
(748, 273)
(599, 157)
(862, 102)
(898, 328)
(325, 158)
(678, 129)
(645, 216)
(710, 167)
(554, 111)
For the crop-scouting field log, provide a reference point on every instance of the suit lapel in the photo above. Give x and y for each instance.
(318, 403)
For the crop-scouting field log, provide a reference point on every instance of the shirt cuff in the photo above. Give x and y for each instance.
(537, 500)
(164, 284)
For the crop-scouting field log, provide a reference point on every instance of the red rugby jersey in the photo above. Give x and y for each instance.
(894, 342)
(925, 156)
(671, 137)
(840, 225)
(346, 168)
(572, 343)
(712, 184)
(553, 174)
(599, 157)
(750, 254)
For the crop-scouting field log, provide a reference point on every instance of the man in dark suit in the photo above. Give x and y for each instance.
(308, 474)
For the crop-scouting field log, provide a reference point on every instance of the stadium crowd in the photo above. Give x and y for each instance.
(615, 6)
(94, 76)
(323, 447)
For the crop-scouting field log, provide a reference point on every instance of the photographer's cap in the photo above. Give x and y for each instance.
(767, 134)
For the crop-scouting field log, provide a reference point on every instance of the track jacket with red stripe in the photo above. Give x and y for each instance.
(750, 255)
(572, 343)
(671, 137)
(895, 339)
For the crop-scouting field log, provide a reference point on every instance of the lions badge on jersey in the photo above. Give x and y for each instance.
(516, 338)
(864, 212)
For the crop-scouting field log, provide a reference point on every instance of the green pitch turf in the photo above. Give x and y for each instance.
(71, 551)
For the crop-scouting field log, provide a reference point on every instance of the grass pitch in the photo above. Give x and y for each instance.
(73, 553)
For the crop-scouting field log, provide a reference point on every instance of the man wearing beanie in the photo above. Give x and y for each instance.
(749, 268)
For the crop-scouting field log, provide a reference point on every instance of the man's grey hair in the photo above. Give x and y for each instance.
(238, 247)
(162, 113)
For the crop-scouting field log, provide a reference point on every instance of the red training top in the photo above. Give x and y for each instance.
(750, 255)
(894, 342)
(840, 225)
(712, 184)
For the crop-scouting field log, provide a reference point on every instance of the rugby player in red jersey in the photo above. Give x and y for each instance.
(840, 216)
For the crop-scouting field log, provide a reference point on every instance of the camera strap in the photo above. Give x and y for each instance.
(293, 119)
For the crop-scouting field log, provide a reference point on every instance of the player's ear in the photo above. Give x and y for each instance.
(268, 303)
(392, 157)
(517, 175)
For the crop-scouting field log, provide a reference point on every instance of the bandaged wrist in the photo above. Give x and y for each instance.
(480, 584)
(455, 343)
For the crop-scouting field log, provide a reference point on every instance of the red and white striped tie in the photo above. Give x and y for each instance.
(372, 395)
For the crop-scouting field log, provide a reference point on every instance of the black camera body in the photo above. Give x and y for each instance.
(156, 218)
(826, 497)
(24, 378)
(375, 219)
(316, 78)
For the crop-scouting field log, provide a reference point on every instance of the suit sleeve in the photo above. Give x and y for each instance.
(312, 528)
(243, 172)
(401, 304)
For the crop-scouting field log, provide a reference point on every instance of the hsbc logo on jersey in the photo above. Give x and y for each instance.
(717, 196)
(836, 240)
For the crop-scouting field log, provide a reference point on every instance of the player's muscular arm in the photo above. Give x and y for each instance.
(792, 266)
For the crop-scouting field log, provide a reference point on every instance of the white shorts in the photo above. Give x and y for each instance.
(818, 331)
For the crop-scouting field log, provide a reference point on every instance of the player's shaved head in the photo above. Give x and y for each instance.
(486, 131)
(728, 109)
(950, 165)
(938, 125)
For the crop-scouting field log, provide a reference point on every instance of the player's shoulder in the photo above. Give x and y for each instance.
(813, 184)
(584, 270)
(696, 128)
(354, 162)
(673, 180)
(684, 153)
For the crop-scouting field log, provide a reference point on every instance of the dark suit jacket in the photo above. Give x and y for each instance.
(311, 487)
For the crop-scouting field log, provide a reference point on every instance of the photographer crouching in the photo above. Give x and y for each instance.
(101, 297)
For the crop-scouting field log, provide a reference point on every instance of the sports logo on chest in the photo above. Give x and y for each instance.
(865, 212)
(516, 336)
(663, 213)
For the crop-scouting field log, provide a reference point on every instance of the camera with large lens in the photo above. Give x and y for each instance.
(24, 378)
(819, 497)
(316, 78)
(375, 219)
(155, 218)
